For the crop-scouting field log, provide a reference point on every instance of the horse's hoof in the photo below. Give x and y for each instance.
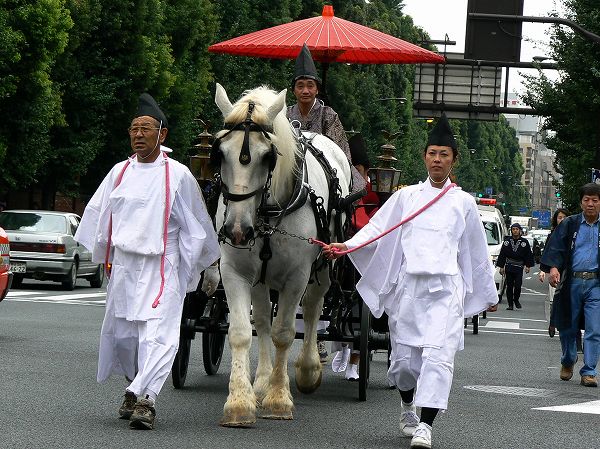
(277, 414)
(308, 389)
(239, 421)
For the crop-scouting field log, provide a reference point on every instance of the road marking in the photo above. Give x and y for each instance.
(97, 298)
(516, 319)
(501, 325)
(12, 294)
(530, 291)
(54, 301)
(592, 407)
(483, 330)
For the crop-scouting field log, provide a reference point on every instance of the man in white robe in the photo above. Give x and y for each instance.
(157, 238)
(427, 276)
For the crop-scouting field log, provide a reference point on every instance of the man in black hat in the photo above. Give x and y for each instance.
(427, 276)
(312, 114)
(514, 256)
(148, 224)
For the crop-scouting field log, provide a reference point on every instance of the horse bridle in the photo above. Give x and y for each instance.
(248, 126)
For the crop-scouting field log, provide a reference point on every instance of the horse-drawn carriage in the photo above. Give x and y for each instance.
(277, 188)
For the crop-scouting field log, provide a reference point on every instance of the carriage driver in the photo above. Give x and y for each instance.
(149, 222)
(439, 273)
(313, 115)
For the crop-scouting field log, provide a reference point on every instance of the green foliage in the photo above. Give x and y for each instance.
(32, 35)
(71, 72)
(571, 104)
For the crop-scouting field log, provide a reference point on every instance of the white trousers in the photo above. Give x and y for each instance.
(141, 350)
(428, 370)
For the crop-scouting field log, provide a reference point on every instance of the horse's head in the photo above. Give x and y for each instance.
(247, 155)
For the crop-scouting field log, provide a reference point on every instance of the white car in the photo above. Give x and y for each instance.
(495, 231)
(42, 247)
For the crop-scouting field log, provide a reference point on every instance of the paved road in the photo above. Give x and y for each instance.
(506, 392)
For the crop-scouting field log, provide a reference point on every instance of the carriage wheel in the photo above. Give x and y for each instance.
(365, 354)
(212, 351)
(213, 343)
(182, 361)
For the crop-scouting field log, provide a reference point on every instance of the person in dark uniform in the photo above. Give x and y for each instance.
(515, 255)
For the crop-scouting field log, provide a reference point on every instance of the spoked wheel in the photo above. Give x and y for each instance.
(182, 361)
(213, 343)
(182, 358)
(365, 354)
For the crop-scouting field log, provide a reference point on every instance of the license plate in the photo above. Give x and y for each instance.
(18, 267)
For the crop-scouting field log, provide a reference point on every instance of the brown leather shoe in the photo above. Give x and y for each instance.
(566, 372)
(589, 381)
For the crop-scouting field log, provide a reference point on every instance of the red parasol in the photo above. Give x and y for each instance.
(330, 39)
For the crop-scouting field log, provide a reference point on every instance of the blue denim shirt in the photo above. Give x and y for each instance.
(585, 252)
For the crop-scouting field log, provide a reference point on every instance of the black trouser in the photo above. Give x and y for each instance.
(514, 280)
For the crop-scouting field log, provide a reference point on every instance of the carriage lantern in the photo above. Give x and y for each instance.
(385, 178)
(200, 162)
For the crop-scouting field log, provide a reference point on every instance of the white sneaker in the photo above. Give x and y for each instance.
(340, 360)
(408, 419)
(352, 372)
(422, 436)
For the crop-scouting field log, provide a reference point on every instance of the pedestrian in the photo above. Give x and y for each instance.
(557, 217)
(147, 221)
(572, 258)
(515, 255)
(427, 276)
(311, 113)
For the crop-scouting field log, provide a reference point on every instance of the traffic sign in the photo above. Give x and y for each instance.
(489, 191)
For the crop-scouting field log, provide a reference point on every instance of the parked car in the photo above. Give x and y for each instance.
(495, 231)
(5, 273)
(42, 247)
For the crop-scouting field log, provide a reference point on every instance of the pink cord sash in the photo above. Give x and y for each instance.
(167, 214)
(407, 219)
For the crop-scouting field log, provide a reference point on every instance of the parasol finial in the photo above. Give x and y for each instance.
(327, 11)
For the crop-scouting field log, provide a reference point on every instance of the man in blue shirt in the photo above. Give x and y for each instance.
(572, 256)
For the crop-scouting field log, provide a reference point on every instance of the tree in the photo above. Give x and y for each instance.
(109, 61)
(32, 36)
(571, 104)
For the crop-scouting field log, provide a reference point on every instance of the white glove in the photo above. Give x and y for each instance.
(212, 276)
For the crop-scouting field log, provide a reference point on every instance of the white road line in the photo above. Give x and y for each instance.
(530, 291)
(12, 294)
(516, 319)
(592, 407)
(483, 330)
(501, 325)
(67, 302)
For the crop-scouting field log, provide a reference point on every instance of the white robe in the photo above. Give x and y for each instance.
(427, 276)
(137, 207)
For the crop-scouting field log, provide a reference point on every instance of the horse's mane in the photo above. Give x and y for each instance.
(283, 137)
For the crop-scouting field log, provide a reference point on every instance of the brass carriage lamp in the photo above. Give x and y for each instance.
(200, 161)
(386, 179)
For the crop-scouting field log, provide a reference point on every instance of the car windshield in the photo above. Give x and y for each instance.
(492, 233)
(33, 222)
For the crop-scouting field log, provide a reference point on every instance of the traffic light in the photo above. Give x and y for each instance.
(480, 195)
(503, 204)
(557, 193)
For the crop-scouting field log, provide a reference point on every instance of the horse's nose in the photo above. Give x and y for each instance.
(237, 235)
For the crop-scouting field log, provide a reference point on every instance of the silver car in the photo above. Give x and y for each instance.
(42, 247)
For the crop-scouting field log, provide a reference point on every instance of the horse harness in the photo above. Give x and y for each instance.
(302, 190)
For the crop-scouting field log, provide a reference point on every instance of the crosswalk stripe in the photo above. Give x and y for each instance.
(592, 407)
(53, 301)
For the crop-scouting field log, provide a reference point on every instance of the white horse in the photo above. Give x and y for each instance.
(270, 152)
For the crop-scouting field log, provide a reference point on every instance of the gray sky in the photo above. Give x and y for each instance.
(440, 17)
